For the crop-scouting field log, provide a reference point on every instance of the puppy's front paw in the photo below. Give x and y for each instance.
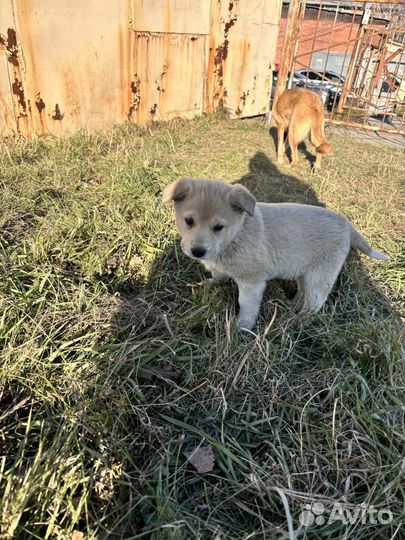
(201, 284)
(218, 280)
(244, 324)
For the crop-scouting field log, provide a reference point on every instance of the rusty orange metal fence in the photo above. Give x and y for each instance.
(66, 66)
(352, 54)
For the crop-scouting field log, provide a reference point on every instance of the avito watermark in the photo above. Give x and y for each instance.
(317, 514)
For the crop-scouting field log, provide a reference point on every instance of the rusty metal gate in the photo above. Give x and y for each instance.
(352, 54)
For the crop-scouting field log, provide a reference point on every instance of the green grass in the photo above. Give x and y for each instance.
(114, 366)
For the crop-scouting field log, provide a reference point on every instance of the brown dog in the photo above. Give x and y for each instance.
(300, 111)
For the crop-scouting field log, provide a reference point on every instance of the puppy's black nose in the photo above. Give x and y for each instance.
(198, 251)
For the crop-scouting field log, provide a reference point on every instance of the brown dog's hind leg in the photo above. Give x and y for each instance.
(293, 142)
(318, 160)
(280, 143)
(297, 131)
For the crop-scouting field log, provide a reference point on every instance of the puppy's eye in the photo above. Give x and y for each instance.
(189, 221)
(217, 227)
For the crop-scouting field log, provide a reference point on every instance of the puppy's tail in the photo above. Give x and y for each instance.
(317, 133)
(357, 241)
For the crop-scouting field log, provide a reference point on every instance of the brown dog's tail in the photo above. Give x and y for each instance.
(317, 134)
(324, 148)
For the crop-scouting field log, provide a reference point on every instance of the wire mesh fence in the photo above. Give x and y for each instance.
(352, 55)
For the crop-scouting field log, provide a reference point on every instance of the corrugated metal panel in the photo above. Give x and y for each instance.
(92, 64)
(242, 53)
(76, 56)
(169, 76)
(172, 16)
(169, 58)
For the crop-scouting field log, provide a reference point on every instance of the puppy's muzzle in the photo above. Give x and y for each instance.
(198, 252)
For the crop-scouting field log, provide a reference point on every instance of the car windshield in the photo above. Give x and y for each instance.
(332, 76)
(313, 76)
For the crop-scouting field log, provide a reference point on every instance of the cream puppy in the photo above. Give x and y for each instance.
(224, 228)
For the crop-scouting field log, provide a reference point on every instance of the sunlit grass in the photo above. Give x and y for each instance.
(113, 365)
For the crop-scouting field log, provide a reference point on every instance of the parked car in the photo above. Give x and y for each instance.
(326, 79)
(323, 83)
(320, 83)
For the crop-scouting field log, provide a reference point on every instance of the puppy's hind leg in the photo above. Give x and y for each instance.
(317, 285)
(298, 299)
(250, 297)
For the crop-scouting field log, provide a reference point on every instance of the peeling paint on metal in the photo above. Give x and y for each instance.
(18, 91)
(39, 102)
(136, 95)
(219, 55)
(20, 101)
(10, 45)
(57, 113)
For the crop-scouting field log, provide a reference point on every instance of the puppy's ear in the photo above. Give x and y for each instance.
(241, 199)
(177, 191)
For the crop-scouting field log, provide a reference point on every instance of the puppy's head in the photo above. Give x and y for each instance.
(209, 214)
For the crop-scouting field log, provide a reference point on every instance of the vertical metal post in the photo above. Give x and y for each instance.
(287, 53)
(339, 85)
(350, 71)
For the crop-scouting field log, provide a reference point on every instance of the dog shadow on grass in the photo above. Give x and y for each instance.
(269, 184)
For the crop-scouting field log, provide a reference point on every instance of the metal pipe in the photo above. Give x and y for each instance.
(381, 1)
(350, 71)
(365, 127)
(288, 48)
(339, 86)
(296, 38)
